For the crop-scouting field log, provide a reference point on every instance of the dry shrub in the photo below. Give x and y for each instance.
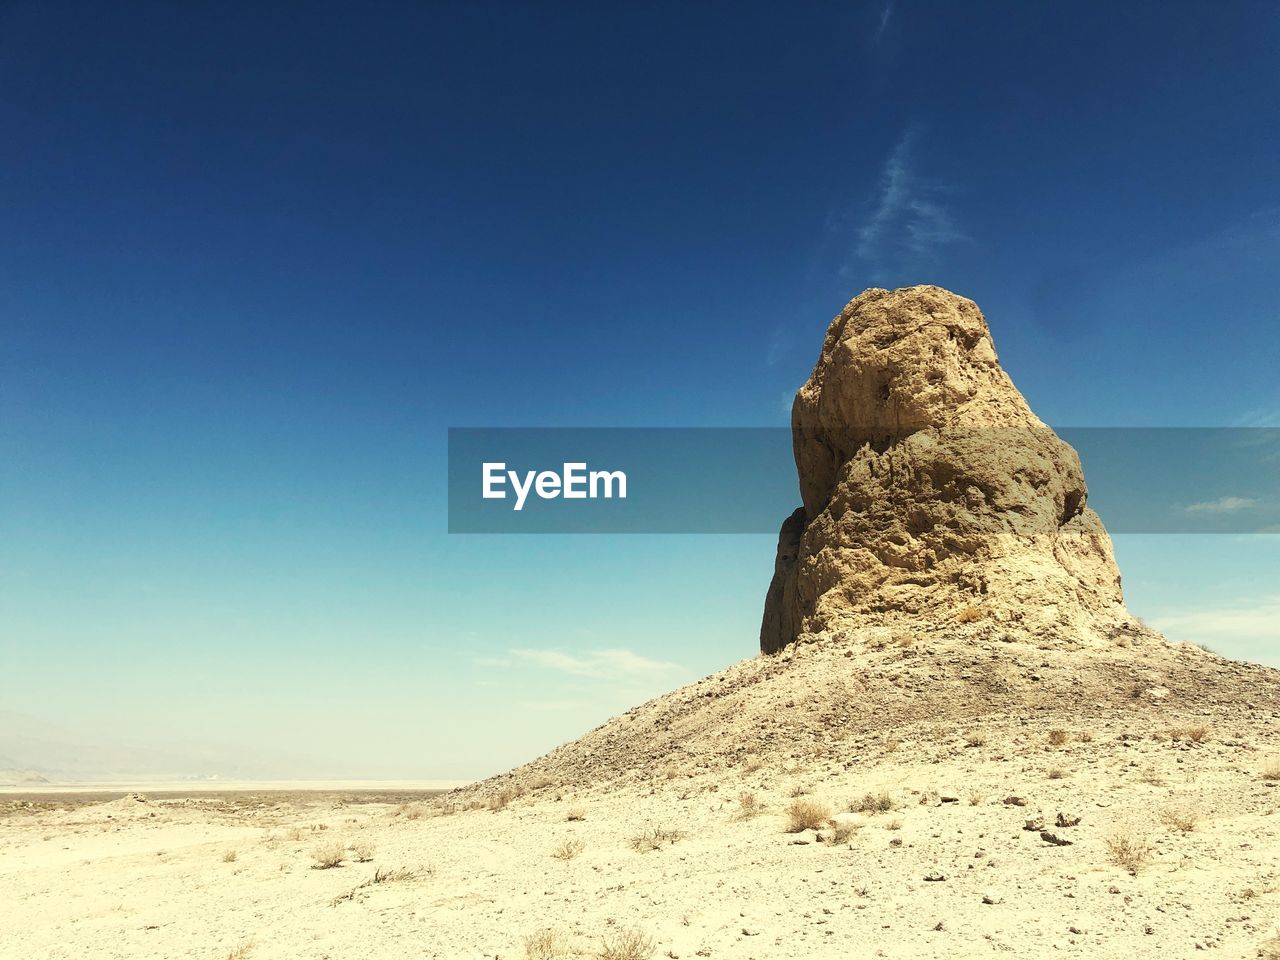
(395, 875)
(1196, 734)
(894, 824)
(970, 614)
(1056, 773)
(503, 797)
(1270, 950)
(670, 771)
(541, 783)
(976, 740)
(749, 806)
(328, 856)
(1084, 736)
(1058, 737)
(229, 857)
(1183, 819)
(575, 815)
(654, 838)
(1129, 850)
(1271, 771)
(975, 799)
(753, 764)
(568, 849)
(242, 951)
(363, 850)
(872, 803)
(1152, 776)
(546, 945)
(805, 814)
(892, 744)
(627, 945)
(799, 790)
(838, 834)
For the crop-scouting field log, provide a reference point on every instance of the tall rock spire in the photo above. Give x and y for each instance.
(931, 491)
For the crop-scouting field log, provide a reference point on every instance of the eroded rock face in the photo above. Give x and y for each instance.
(931, 491)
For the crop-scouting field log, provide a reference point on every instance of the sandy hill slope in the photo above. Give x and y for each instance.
(846, 701)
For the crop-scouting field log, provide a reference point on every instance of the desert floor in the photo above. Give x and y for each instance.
(1177, 851)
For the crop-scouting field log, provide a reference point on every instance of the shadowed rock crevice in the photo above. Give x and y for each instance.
(929, 487)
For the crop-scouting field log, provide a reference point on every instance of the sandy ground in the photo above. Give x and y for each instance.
(949, 870)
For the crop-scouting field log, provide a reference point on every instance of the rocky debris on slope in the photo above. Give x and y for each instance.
(931, 492)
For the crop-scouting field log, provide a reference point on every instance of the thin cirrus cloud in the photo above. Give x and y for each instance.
(1221, 505)
(608, 664)
(908, 224)
(882, 24)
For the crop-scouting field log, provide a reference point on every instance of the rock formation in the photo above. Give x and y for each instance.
(932, 492)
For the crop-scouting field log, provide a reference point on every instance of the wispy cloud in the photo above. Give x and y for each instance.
(612, 664)
(886, 14)
(1261, 418)
(908, 222)
(1221, 505)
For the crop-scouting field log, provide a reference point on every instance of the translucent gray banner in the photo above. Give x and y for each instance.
(743, 480)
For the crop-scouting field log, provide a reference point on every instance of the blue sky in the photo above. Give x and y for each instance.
(258, 258)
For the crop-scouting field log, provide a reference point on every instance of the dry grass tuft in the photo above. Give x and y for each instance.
(1152, 776)
(502, 798)
(976, 740)
(1271, 771)
(1269, 950)
(1056, 773)
(546, 945)
(396, 875)
(328, 856)
(749, 806)
(1128, 850)
(1183, 819)
(753, 765)
(872, 803)
(363, 851)
(575, 815)
(971, 614)
(799, 790)
(229, 857)
(627, 945)
(568, 849)
(1058, 737)
(1196, 734)
(654, 838)
(805, 814)
(242, 951)
(838, 834)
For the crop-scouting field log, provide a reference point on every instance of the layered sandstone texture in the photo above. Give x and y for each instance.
(931, 492)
